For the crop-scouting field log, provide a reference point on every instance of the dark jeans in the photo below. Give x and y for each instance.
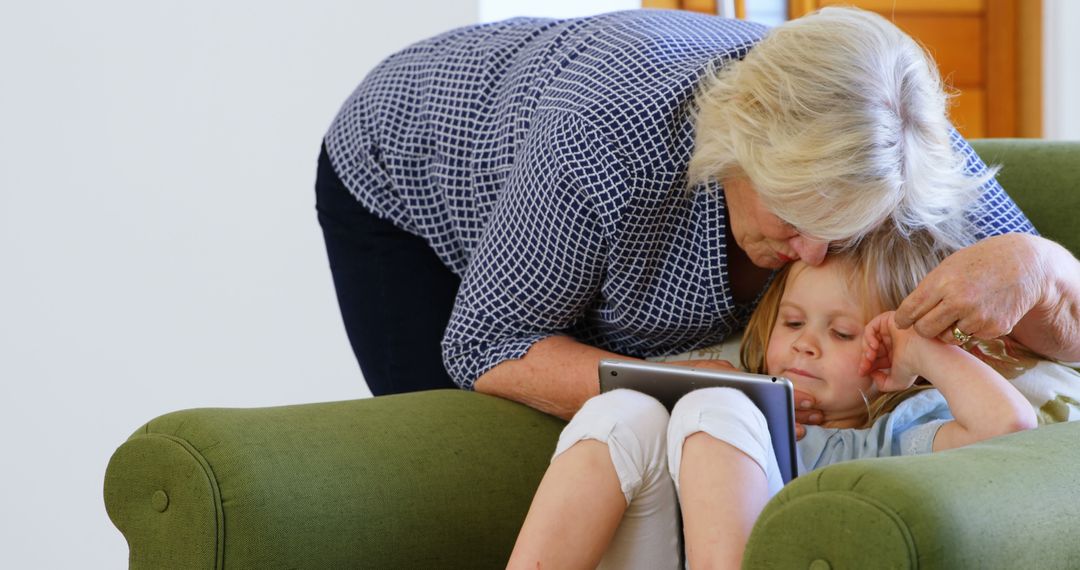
(394, 293)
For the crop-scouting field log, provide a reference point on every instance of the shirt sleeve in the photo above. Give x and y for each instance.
(996, 212)
(542, 256)
(908, 430)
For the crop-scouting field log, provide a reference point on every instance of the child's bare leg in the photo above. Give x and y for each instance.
(722, 491)
(575, 512)
(720, 455)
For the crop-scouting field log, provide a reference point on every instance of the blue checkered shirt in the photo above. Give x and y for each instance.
(544, 161)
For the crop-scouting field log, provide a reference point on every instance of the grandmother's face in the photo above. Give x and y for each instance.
(768, 241)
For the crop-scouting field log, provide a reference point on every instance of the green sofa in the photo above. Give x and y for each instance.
(443, 479)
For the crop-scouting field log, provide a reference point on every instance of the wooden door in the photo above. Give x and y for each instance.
(988, 51)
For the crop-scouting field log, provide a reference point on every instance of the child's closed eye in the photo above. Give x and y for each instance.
(843, 335)
(793, 324)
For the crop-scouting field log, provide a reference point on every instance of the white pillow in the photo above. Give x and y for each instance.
(1052, 387)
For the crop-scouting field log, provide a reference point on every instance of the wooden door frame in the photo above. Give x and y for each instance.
(1013, 62)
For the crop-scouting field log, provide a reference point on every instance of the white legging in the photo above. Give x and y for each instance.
(646, 444)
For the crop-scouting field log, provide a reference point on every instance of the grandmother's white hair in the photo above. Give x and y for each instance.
(839, 121)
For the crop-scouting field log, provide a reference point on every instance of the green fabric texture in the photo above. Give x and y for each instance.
(162, 495)
(443, 479)
(1009, 502)
(1043, 178)
(438, 479)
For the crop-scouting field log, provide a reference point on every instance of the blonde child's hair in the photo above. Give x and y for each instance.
(882, 270)
(838, 110)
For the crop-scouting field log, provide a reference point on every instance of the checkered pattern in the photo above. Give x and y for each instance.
(544, 161)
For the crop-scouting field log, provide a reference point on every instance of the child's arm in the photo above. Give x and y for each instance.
(983, 402)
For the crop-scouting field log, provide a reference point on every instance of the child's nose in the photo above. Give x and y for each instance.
(806, 343)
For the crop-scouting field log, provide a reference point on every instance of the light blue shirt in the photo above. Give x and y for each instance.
(907, 430)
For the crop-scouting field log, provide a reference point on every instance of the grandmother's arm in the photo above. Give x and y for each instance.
(558, 374)
(1052, 327)
(1017, 284)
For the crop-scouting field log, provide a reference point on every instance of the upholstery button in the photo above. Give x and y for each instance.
(820, 564)
(160, 501)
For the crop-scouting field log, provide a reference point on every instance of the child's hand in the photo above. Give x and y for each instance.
(890, 354)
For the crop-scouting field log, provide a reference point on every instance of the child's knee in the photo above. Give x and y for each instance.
(634, 427)
(641, 414)
(698, 405)
(725, 414)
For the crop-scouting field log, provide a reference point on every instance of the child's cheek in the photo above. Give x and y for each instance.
(852, 361)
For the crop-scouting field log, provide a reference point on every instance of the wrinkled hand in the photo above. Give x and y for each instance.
(890, 354)
(983, 289)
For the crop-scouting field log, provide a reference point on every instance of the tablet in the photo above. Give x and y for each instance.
(773, 395)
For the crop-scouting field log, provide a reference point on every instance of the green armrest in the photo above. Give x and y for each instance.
(443, 479)
(1011, 502)
(438, 479)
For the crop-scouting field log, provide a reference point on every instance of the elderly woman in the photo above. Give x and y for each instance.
(542, 194)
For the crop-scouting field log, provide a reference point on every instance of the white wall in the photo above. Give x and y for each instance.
(1061, 74)
(770, 12)
(158, 242)
(494, 10)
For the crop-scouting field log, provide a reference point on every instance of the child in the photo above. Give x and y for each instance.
(623, 466)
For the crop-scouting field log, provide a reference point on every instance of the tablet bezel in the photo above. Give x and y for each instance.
(773, 395)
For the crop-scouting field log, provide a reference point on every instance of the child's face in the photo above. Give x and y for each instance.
(817, 341)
